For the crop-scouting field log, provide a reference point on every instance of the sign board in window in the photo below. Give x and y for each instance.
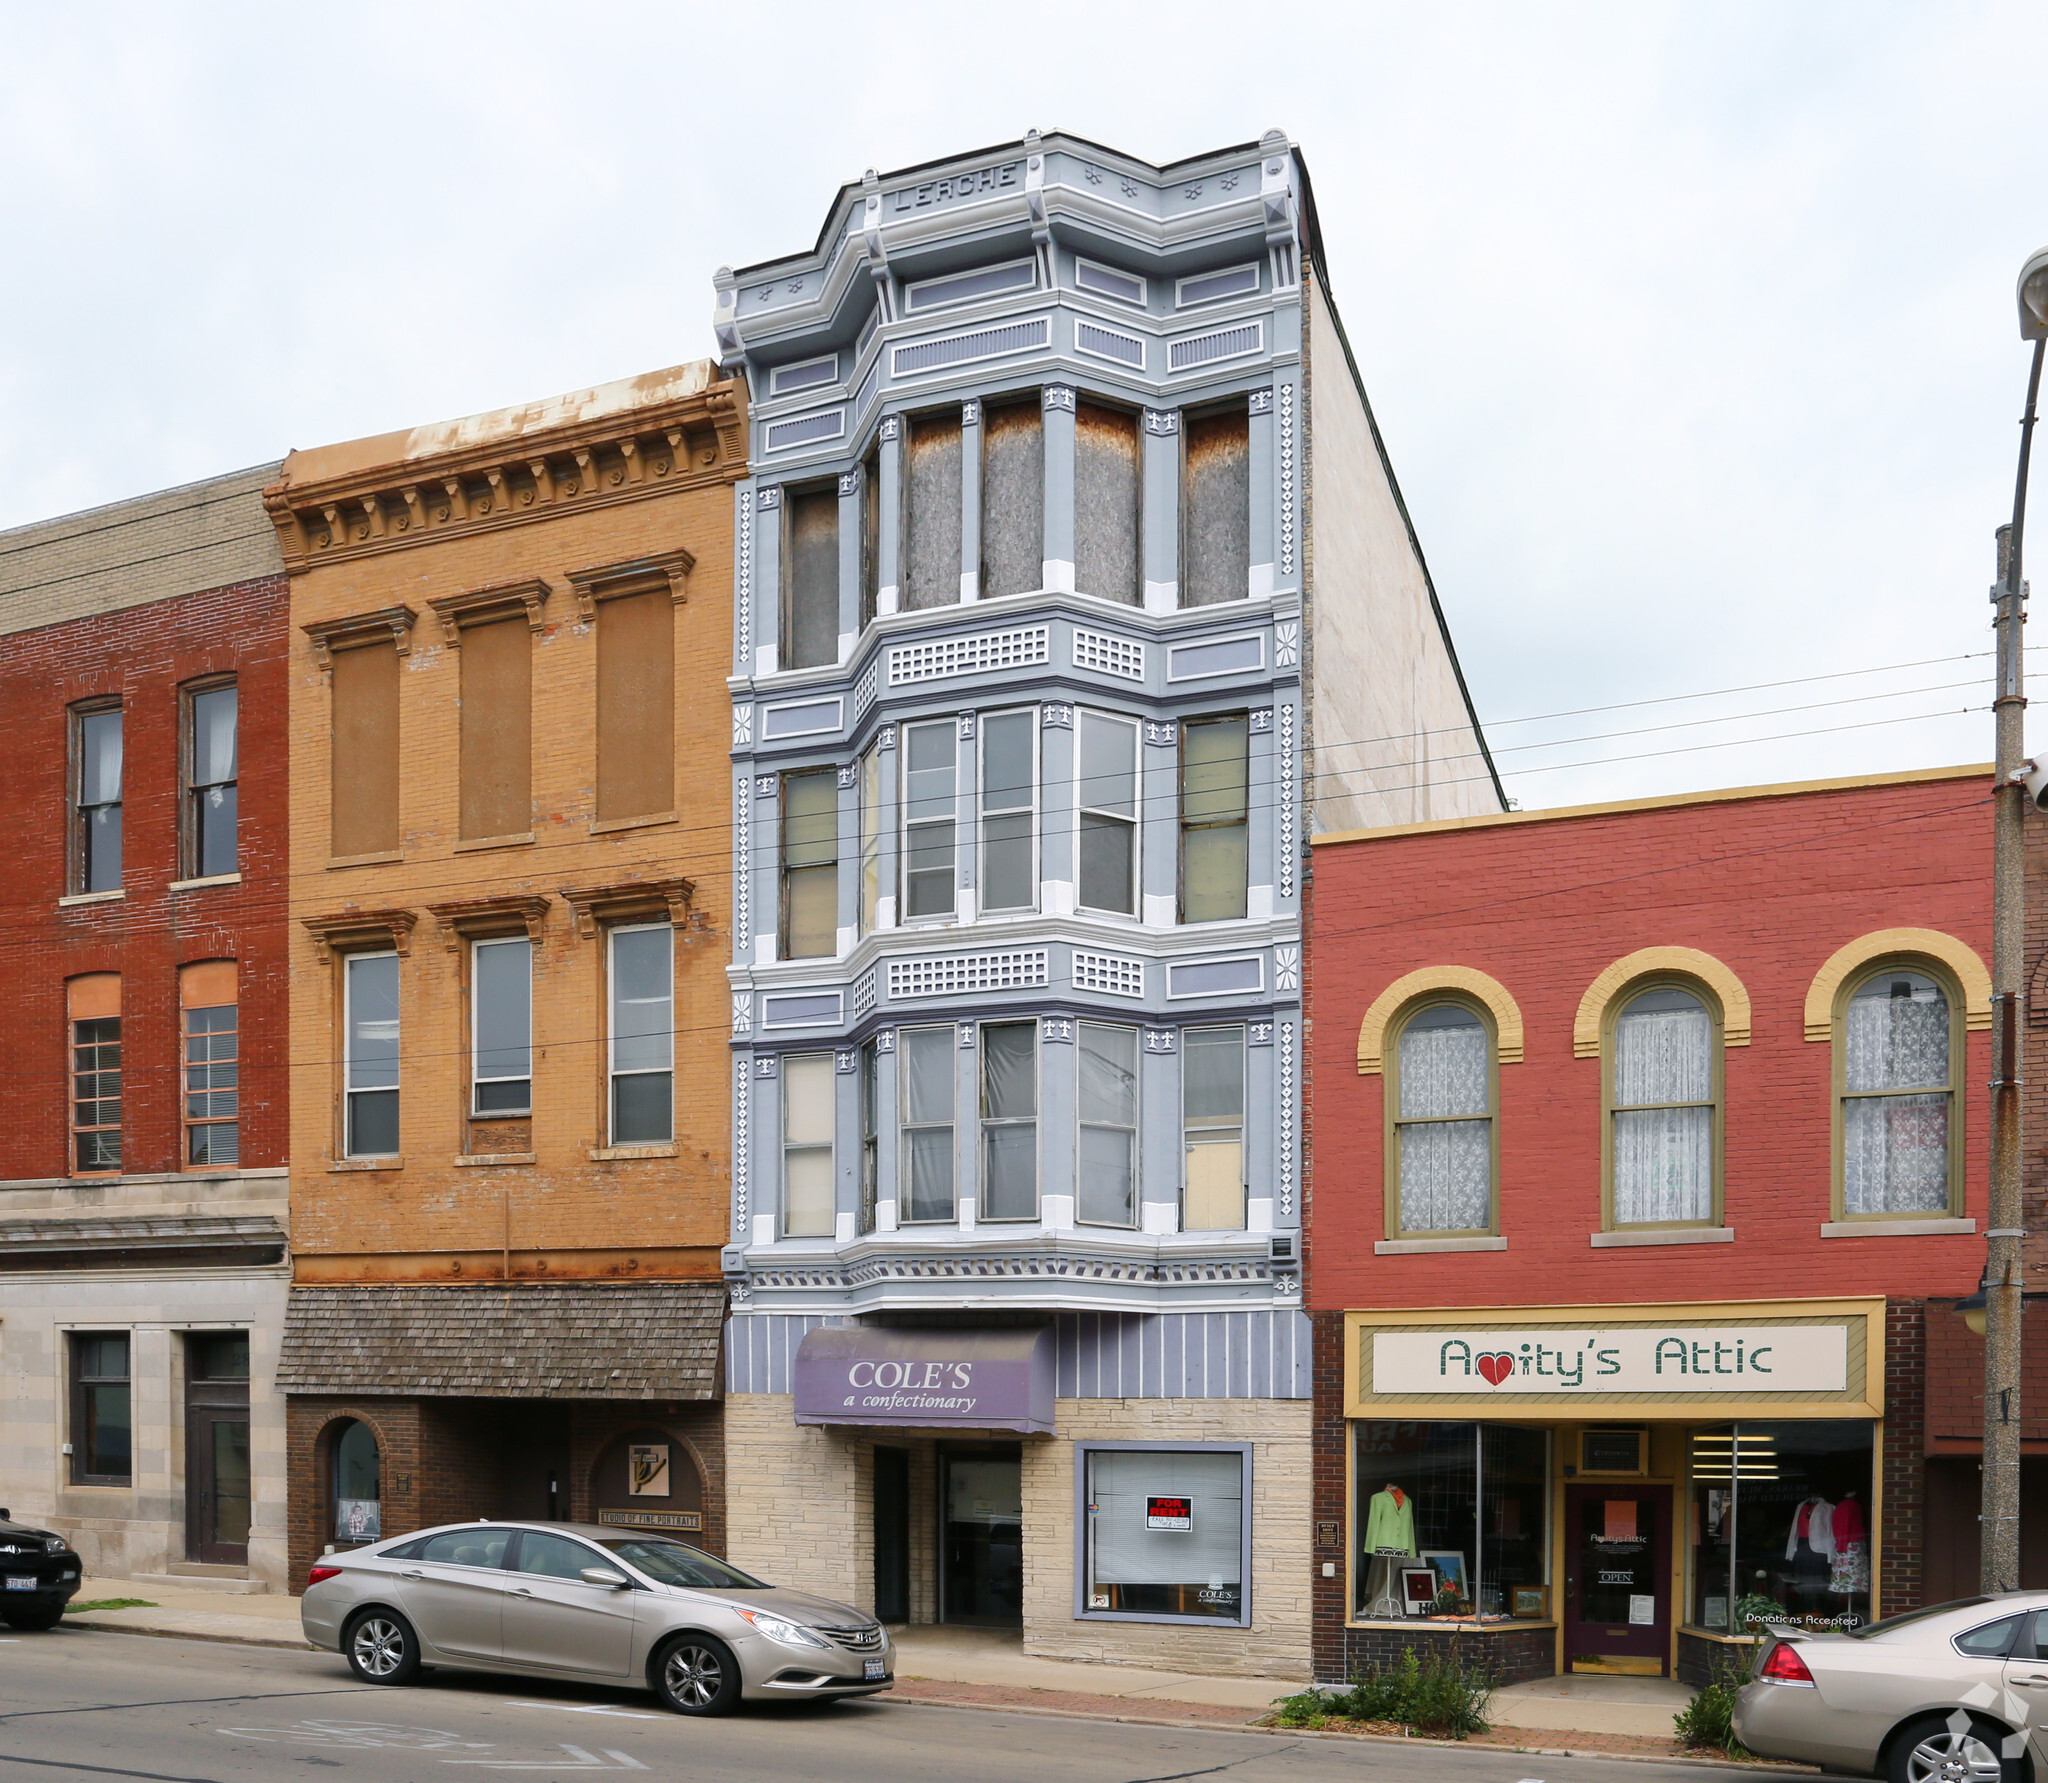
(1170, 1513)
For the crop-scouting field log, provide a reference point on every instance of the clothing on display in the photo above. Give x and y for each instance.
(1813, 1529)
(1383, 1587)
(1390, 1523)
(1850, 1569)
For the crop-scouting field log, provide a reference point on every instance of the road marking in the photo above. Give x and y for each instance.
(591, 1709)
(584, 1761)
(359, 1736)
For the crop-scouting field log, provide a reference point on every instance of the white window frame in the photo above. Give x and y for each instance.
(905, 826)
(867, 896)
(1136, 1129)
(348, 1060)
(612, 1073)
(830, 1147)
(985, 1123)
(905, 1126)
(1083, 809)
(476, 1046)
(1031, 810)
(1189, 1131)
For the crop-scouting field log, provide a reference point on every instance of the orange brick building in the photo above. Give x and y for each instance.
(508, 921)
(1648, 1154)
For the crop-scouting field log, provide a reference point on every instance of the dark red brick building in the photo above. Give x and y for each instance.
(142, 1155)
(1648, 1159)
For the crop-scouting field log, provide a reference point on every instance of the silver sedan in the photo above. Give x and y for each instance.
(1953, 1694)
(575, 1601)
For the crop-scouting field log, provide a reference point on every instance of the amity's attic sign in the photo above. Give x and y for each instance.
(1638, 1360)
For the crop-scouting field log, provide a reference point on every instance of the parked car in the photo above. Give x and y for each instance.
(573, 1600)
(39, 1575)
(1953, 1694)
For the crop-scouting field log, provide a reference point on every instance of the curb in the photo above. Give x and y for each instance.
(186, 1634)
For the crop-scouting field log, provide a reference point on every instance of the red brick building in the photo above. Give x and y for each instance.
(142, 1156)
(1642, 1137)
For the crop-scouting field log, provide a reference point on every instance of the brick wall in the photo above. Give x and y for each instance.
(1769, 886)
(143, 655)
(1329, 1441)
(1902, 1540)
(1507, 1656)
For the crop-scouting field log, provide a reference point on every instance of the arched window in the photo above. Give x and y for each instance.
(1897, 1043)
(1440, 1103)
(1663, 1109)
(358, 1492)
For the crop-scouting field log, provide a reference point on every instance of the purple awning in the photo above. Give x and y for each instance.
(931, 1378)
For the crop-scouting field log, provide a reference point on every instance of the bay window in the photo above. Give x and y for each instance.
(930, 791)
(1215, 781)
(810, 864)
(1009, 1121)
(1009, 797)
(1212, 1102)
(807, 1198)
(925, 1071)
(1107, 1192)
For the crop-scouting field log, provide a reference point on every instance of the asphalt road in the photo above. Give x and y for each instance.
(78, 1705)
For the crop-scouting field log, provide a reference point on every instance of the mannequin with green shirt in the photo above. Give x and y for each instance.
(1389, 1540)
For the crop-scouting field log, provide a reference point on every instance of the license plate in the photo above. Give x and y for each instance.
(21, 1582)
(872, 1668)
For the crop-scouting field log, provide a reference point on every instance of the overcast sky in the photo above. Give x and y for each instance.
(1690, 327)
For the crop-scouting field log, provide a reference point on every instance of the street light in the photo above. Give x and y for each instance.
(2000, 1292)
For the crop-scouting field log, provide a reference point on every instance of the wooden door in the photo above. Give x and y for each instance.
(217, 1482)
(1617, 1591)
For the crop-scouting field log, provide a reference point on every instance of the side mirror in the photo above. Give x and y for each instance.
(603, 1575)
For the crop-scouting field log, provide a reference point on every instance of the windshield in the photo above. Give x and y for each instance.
(1871, 1630)
(676, 1563)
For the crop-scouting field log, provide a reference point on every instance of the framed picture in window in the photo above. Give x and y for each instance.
(1531, 1600)
(1450, 1569)
(1418, 1589)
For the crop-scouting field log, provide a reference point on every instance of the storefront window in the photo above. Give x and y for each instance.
(1447, 1508)
(1779, 1525)
(1163, 1533)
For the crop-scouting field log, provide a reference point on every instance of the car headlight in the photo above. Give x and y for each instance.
(54, 1544)
(777, 1629)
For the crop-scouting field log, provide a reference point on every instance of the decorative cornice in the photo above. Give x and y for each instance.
(618, 903)
(697, 440)
(487, 916)
(1145, 1271)
(329, 635)
(498, 601)
(594, 585)
(348, 929)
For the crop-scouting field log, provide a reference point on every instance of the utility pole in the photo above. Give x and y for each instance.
(2004, 1232)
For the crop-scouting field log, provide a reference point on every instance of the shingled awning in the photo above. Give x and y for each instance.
(567, 1340)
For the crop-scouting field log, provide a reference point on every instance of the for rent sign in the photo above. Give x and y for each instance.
(1637, 1360)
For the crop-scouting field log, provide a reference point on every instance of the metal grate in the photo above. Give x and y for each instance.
(957, 349)
(1108, 654)
(1019, 647)
(1110, 973)
(1206, 349)
(944, 975)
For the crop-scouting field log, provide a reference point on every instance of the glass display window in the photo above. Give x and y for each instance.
(1163, 1533)
(1469, 1502)
(1779, 1525)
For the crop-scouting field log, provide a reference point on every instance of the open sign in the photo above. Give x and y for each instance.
(1170, 1513)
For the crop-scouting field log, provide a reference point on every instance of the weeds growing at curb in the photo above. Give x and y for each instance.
(1439, 1696)
(1708, 1721)
(110, 1603)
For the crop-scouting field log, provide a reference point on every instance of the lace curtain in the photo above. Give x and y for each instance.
(1446, 1165)
(1894, 1147)
(1663, 1156)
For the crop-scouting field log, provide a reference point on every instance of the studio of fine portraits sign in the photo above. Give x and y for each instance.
(1640, 1360)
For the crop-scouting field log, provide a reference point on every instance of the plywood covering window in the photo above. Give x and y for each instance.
(497, 729)
(931, 511)
(363, 761)
(870, 537)
(1012, 498)
(1106, 504)
(213, 1096)
(636, 706)
(1216, 507)
(93, 1004)
(810, 589)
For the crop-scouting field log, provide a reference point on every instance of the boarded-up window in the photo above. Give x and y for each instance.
(931, 511)
(1216, 508)
(870, 538)
(364, 759)
(810, 589)
(1012, 499)
(636, 706)
(497, 729)
(1106, 504)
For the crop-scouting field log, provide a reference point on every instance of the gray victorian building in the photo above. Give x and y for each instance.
(1074, 591)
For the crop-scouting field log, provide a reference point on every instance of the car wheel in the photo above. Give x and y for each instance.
(35, 1621)
(382, 1648)
(697, 1675)
(1956, 1748)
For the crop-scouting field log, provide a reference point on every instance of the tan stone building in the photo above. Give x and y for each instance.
(507, 1000)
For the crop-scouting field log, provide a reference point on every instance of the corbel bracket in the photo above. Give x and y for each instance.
(330, 635)
(353, 930)
(640, 898)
